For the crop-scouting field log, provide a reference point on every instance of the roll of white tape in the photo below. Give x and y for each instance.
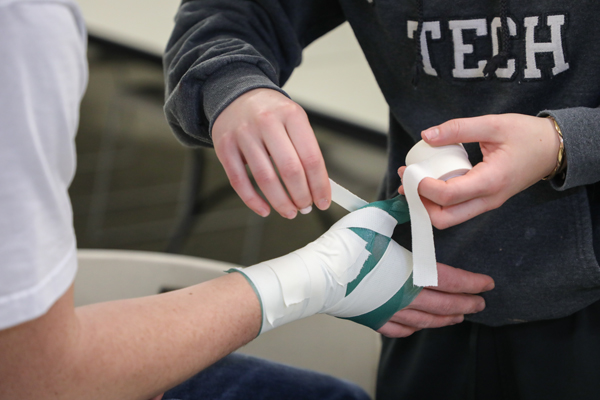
(425, 161)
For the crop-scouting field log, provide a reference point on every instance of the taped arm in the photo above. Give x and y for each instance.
(354, 271)
(221, 49)
(579, 127)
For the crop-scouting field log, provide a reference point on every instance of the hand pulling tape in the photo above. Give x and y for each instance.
(425, 161)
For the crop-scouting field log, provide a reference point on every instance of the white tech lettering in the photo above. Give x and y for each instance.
(496, 28)
(461, 48)
(555, 22)
(436, 33)
(432, 30)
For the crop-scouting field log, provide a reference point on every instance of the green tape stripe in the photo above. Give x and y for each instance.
(397, 207)
(376, 245)
(378, 317)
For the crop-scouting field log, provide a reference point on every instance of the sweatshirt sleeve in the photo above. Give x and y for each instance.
(580, 127)
(220, 49)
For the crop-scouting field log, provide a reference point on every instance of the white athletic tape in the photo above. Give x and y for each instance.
(376, 219)
(341, 245)
(294, 286)
(345, 198)
(396, 262)
(317, 278)
(425, 161)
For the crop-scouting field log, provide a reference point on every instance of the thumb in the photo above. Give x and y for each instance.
(462, 130)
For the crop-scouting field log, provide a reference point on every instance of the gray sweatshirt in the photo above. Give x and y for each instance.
(541, 246)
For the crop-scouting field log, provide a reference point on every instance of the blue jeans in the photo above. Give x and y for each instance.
(241, 377)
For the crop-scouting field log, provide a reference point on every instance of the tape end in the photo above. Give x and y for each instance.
(429, 281)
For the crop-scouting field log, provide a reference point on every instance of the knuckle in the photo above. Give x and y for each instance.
(237, 180)
(265, 118)
(290, 108)
(496, 203)
(444, 307)
(478, 304)
(407, 332)
(454, 127)
(224, 142)
(291, 169)
(430, 322)
(446, 197)
(491, 203)
(312, 161)
(265, 176)
(440, 222)
(497, 183)
(397, 331)
(494, 121)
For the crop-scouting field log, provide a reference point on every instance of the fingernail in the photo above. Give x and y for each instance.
(264, 212)
(489, 287)
(431, 134)
(291, 215)
(323, 204)
(481, 306)
(306, 210)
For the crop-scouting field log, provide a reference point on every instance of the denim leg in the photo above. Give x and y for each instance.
(242, 377)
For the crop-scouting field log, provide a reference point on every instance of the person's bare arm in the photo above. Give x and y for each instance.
(128, 349)
(138, 348)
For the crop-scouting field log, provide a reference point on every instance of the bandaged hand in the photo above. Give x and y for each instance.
(353, 271)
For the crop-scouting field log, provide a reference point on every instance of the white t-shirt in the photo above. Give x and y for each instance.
(43, 75)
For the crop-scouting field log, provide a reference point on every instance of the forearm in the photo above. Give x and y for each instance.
(130, 349)
(221, 49)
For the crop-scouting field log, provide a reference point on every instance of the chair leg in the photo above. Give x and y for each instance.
(194, 202)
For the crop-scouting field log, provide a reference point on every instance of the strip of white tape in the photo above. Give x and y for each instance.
(425, 161)
(345, 198)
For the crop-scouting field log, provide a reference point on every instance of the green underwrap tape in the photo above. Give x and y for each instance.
(377, 244)
(378, 317)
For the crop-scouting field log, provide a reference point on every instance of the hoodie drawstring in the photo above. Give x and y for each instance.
(502, 57)
(418, 65)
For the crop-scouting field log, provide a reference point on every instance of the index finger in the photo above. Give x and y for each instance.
(455, 280)
(303, 138)
(464, 130)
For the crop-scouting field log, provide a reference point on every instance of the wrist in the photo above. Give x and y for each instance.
(307, 281)
(287, 289)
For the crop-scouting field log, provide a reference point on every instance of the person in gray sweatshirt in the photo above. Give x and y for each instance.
(517, 83)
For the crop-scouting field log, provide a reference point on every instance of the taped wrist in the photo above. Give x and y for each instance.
(285, 287)
(353, 271)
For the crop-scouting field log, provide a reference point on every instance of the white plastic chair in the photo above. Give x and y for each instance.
(321, 343)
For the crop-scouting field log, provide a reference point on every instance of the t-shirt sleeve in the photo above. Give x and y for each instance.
(43, 75)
